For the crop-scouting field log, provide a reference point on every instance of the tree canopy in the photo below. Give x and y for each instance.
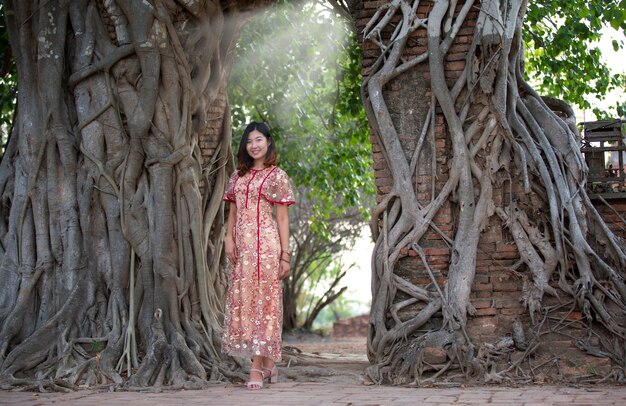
(562, 56)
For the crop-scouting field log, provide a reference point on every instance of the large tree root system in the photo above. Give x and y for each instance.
(502, 135)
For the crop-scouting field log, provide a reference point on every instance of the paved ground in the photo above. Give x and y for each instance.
(305, 394)
(323, 378)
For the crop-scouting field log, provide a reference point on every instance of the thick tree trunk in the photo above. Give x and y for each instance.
(501, 133)
(109, 249)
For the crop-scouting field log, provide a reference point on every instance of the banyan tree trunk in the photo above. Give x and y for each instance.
(111, 189)
(454, 121)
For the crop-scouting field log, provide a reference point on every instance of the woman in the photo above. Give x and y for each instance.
(257, 247)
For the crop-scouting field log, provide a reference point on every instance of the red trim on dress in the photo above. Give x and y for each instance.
(230, 197)
(288, 203)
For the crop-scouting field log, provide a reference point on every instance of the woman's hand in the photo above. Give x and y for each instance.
(283, 270)
(231, 250)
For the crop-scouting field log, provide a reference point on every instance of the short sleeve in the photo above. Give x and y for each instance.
(229, 196)
(278, 188)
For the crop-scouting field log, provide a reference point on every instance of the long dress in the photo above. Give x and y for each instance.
(254, 311)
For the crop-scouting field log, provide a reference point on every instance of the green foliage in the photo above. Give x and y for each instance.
(298, 70)
(8, 83)
(561, 52)
(341, 309)
(313, 286)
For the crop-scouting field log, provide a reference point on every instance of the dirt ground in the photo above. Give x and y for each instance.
(315, 358)
(343, 360)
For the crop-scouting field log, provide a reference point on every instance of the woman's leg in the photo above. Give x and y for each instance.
(269, 369)
(256, 372)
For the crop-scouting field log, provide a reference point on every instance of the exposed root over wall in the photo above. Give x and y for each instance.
(502, 134)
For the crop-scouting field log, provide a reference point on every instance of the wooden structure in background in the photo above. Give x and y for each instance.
(604, 148)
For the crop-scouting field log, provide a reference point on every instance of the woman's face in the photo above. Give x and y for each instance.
(257, 146)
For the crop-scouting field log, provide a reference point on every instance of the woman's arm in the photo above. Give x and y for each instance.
(282, 221)
(229, 243)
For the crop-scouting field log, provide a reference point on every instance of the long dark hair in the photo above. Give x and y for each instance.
(244, 160)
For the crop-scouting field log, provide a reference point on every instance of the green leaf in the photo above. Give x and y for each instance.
(616, 45)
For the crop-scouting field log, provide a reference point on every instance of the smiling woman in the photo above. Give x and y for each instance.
(257, 247)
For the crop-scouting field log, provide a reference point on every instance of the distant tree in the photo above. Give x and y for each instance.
(316, 279)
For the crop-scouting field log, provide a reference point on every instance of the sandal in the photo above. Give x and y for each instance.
(254, 385)
(273, 374)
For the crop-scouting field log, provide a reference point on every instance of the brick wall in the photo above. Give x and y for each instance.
(614, 216)
(496, 290)
(211, 134)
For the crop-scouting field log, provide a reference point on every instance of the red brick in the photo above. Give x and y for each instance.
(455, 66)
(500, 255)
(573, 316)
(513, 311)
(482, 287)
(433, 355)
(481, 304)
(378, 164)
(436, 251)
(505, 287)
(507, 248)
(486, 312)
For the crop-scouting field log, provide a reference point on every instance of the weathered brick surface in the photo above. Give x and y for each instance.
(615, 216)
(496, 288)
(210, 135)
(353, 327)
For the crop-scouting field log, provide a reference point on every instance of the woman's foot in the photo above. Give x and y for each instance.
(257, 377)
(271, 373)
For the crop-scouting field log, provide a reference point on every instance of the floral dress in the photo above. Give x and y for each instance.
(254, 312)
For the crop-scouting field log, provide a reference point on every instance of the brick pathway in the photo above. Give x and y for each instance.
(305, 394)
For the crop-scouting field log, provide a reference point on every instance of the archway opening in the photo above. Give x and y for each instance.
(297, 67)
